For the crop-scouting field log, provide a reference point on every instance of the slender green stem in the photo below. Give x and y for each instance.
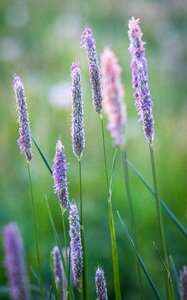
(160, 225)
(104, 150)
(131, 216)
(111, 222)
(80, 191)
(84, 275)
(66, 251)
(35, 231)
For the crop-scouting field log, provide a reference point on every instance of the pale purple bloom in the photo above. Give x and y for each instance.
(60, 175)
(100, 283)
(75, 245)
(183, 283)
(59, 274)
(24, 140)
(15, 263)
(139, 67)
(87, 40)
(77, 129)
(113, 93)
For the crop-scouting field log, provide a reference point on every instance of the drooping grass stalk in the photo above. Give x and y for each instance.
(111, 220)
(162, 202)
(157, 295)
(84, 275)
(35, 232)
(131, 215)
(160, 224)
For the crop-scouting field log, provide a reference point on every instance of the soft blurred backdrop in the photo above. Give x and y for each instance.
(38, 41)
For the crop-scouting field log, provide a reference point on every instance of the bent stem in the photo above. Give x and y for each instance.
(35, 231)
(160, 225)
(131, 215)
(84, 277)
(111, 220)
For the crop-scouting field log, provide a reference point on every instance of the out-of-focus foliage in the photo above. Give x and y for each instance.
(38, 41)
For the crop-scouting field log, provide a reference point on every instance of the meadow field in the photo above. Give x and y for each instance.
(39, 40)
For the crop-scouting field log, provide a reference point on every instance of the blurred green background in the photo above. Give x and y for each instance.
(38, 41)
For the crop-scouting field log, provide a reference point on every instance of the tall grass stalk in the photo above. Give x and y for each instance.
(161, 226)
(131, 215)
(35, 232)
(111, 220)
(84, 275)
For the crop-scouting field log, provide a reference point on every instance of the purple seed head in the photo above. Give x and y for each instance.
(60, 176)
(87, 41)
(75, 245)
(139, 67)
(100, 283)
(77, 129)
(183, 283)
(59, 274)
(15, 263)
(24, 140)
(112, 96)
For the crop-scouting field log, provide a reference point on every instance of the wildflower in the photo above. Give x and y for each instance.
(59, 273)
(100, 283)
(59, 175)
(112, 96)
(75, 245)
(77, 130)
(15, 263)
(24, 140)
(183, 283)
(87, 40)
(139, 67)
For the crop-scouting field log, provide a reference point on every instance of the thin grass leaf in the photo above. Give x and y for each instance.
(113, 235)
(35, 275)
(175, 279)
(50, 292)
(161, 258)
(180, 226)
(139, 258)
(112, 172)
(42, 156)
(57, 296)
(55, 234)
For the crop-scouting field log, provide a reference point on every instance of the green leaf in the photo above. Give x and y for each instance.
(113, 235)
(139, 258)
(163, 204)
(42, 156)
(174, 276)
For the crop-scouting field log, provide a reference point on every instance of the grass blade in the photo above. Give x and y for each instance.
(174, 277)
(55, 234)
(172, 216)
(113, 235)
(42, 156)
(112, 172)
(139, 258)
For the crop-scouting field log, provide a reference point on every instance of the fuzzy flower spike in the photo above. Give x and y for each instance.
(183, 283)
(113, 93)
(77, 130)
(15, 263)
(59, 176)
(24, 140)
(75, 245)
(87, 41)
(100, 283)
(139, 67)
(59, 274)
